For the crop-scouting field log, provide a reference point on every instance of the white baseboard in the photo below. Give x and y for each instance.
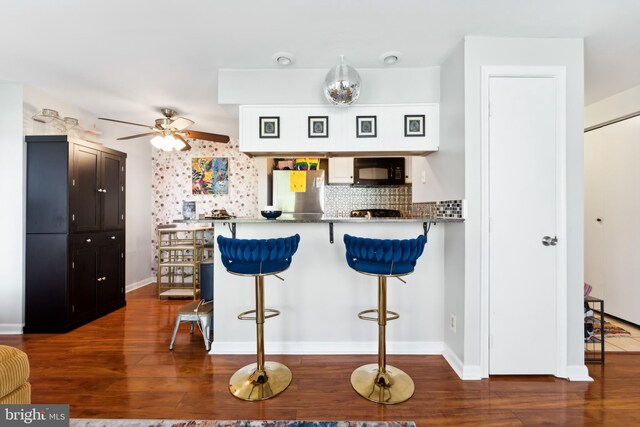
(11, 328)
(578, 373)
(139, 284)
(349, 347)
(468, 372)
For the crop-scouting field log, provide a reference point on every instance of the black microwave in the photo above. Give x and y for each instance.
(378, 170)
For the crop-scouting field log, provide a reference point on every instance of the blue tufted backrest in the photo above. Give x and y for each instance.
(257, 251)
(383, 251)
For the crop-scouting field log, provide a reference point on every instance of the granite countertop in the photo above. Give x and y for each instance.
(316, 218)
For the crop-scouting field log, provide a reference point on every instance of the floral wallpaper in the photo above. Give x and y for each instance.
(172, 179)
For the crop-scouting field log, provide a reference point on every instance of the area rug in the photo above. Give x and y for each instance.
(84, 422)
(610, 330)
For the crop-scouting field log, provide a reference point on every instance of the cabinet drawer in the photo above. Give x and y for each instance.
(84, 240)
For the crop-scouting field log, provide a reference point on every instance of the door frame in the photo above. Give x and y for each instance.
(559, 74)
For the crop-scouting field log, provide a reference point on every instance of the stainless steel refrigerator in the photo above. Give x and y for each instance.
(309, 201)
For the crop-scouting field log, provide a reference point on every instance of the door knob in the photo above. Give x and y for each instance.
(549, 241)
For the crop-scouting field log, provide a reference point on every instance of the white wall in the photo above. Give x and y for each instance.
(482, 51)
(304, 86)
(445, 181)
(615, 106)
(138, 181)
(12, 186)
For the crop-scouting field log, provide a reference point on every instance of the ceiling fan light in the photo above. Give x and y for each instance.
(178, 145)
(168, 143)
(158, 142)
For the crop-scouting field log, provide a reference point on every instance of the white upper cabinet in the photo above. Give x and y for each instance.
(341, 170)
(383, 130)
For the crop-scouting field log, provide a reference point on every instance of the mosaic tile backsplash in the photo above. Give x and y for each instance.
(339, 200)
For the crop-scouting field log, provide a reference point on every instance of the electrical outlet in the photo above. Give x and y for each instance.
(452, 322)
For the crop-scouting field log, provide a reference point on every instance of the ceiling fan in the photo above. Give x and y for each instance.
(171, 132)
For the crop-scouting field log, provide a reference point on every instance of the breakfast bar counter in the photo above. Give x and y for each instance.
(321, 296)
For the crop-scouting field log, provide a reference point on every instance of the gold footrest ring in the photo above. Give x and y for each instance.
(249, 384)
(269, 313)
(389, 387)
(391, 315)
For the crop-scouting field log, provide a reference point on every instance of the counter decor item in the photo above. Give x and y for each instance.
(189, 209)
(218, 214)
(342, 84)
(270, 127)
(270, 212)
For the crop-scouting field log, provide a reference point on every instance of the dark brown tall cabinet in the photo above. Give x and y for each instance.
(75, 243)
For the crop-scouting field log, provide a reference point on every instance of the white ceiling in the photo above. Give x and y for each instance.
(127, 58)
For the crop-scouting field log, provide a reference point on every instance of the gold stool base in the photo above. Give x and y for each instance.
(248, 384)
(393, 386)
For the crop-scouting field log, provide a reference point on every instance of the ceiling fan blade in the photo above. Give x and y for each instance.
(194, 134)
(186, 147)
(126, 123)
(181, 123)
(138, 136)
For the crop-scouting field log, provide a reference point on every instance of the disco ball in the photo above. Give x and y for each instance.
(342, 84)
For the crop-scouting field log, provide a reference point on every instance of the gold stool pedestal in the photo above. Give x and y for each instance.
(250, 384)
(388, 387)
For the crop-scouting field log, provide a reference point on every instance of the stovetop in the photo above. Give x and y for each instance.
(375, 213)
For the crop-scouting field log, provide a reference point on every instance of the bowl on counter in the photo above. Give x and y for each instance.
(270, 212)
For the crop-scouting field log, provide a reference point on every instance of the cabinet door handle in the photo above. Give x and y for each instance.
(104, 190)
(99, 190)
(104, 278)
(99, 279)
(113, 237)
(88, 240)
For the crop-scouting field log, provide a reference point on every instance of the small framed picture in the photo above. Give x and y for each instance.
(318, 127)
(414, 125)
(269, 127)
(366, 127)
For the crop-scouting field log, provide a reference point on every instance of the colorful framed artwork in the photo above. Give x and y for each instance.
(318, 126)
(414, 125)
(269, 127)
(210, 175)
(366, 127)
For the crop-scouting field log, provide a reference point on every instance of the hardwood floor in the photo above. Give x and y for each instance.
(120, 366)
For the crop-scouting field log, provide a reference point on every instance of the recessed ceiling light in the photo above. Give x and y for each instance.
(390, 58)
(283, 58)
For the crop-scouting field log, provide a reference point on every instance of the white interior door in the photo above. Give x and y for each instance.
(596, 163)
(522, 211)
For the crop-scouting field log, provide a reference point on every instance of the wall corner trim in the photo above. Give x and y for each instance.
(11, 328)
(578, 373)
(465, 372)
(342, 347)
(139, 284)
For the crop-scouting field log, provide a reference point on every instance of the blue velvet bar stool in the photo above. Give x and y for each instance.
(258, 258)
(380, 382)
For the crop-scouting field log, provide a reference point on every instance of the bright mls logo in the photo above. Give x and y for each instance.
(34, 415)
